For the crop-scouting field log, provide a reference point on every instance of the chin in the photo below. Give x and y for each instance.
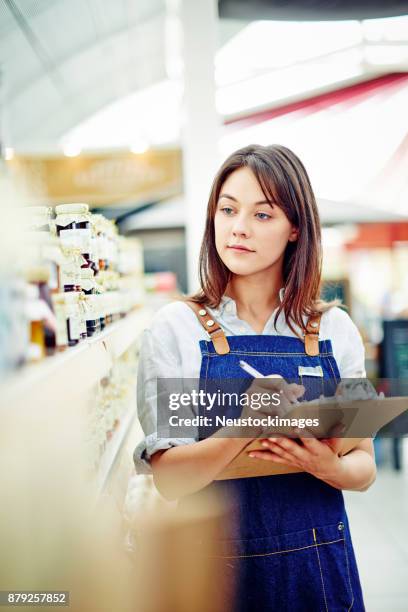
(241, 269)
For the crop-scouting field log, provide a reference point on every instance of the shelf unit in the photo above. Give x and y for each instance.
(57, 391)
(73, 372)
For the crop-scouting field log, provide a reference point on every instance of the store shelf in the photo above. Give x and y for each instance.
(72, 374)
(113, 449)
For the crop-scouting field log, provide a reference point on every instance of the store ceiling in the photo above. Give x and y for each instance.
(62, 61)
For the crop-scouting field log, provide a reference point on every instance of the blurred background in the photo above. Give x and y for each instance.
(129, 108)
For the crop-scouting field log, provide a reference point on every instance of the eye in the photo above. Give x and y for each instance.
(263, 216)
(227, 210)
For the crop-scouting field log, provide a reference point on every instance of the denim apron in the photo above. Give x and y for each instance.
(292, 549)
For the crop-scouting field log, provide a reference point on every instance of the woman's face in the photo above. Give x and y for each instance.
(245, 219)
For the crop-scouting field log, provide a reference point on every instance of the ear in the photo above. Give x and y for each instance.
(294, 234)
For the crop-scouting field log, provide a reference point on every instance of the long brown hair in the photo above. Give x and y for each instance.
(285, 182)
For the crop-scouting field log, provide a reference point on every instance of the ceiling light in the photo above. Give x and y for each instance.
(71, 150)
(139, 146)
(8, 153)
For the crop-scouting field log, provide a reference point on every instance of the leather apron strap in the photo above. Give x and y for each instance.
(219, 339)
(312, 334)
(215, 332)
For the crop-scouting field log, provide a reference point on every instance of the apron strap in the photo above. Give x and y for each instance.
(312, 334)
(220, 341)
(215, 332)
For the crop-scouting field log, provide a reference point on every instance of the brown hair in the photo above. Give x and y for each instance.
(285, 182)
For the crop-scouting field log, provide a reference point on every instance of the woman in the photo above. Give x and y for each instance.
(260, 271)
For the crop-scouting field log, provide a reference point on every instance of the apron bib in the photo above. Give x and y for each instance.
(292, 544)
(287, 546)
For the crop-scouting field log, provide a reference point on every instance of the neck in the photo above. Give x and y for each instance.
(256, 292)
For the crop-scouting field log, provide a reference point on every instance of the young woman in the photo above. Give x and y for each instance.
(260, 271)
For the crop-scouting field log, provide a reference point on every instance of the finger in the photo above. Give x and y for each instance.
(315, 448)
(287, 444)
(295, 390)
(311, 443)
(282, 451)
(266, 456)
(270, 382)
(292, 391)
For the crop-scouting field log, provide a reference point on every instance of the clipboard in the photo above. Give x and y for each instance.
(362, 419)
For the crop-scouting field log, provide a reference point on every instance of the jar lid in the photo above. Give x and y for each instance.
(71, 208)
(71, 217)
(87, 273)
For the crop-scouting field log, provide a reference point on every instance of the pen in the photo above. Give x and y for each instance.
(253, 372)
(250, 370)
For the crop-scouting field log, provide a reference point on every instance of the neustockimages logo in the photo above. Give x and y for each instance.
(214, 401)
(206, 400)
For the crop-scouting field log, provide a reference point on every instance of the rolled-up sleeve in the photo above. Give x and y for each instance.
(159, 358)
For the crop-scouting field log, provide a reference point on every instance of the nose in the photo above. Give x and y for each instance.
(240, 227)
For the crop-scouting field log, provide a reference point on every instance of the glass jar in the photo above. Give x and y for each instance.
(82, 315)
(88, 285)
(89, 262)
(100, 241)
(100, 310)
(70, 270)
(41, 306)
(60, 311)
(73, 317)
(107, 307)
(91, 314)
(34, 313)
(73, 226)
(51, 255)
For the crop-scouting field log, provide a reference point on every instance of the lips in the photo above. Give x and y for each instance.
(240, 247)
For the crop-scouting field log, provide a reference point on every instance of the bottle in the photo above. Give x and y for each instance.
(82, 315)
(99, 299)
(73, 315)
(60, 311)
(41, 313)
(90, 303)
(51, 256)
(88, 287)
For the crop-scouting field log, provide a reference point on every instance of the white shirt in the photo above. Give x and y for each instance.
(170, 349)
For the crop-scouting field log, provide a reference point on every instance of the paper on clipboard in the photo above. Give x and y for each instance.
(362, 419)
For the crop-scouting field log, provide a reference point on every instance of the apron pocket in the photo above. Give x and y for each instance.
(304, 570)
(337, 569)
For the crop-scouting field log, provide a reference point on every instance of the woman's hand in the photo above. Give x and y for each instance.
(317, 457)
(288, 395)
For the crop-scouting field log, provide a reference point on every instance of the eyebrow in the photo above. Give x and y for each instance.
(230, 197)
